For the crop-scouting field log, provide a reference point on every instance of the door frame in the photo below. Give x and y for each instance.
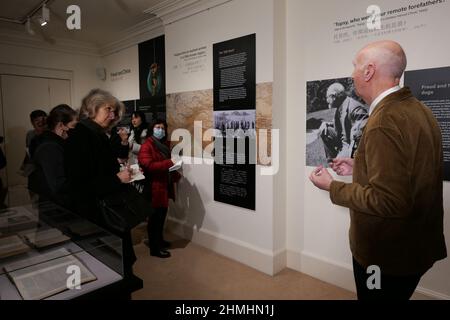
(36, 72)
(29, 71)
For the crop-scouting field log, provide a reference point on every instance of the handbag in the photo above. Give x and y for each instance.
(144, 187)
(124, 210)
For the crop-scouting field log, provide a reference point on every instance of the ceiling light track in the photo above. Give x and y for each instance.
(43, 6)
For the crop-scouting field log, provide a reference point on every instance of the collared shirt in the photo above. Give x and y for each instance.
(381, 97)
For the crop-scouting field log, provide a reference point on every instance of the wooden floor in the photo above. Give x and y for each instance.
(196, 273)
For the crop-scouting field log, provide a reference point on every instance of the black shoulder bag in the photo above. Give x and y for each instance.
(124, 210)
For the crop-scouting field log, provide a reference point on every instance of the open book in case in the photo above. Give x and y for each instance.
(50, 253)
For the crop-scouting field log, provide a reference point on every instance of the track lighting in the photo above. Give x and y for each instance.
(45, 17)
(28, 25)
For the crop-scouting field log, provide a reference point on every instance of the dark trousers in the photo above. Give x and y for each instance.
(129, 257)
(3, 193)
(155, 228)
(392, 287)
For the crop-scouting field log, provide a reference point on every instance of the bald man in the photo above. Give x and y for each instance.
(341, 137)
(395, 200)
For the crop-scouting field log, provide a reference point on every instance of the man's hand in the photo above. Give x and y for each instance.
(323, 129)
(342, 166)
(321, 178)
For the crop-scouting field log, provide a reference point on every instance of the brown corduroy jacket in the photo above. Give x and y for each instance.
(396, 200)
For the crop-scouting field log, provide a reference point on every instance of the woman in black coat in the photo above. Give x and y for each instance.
(48, 178)
(92, 167)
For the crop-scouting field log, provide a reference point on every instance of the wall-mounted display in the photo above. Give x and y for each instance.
(235, 119)
(152, 70)
(335, 120)
(151, 111)
(432, 87)
(152, 79)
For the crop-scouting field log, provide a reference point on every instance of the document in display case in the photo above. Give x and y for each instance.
(39, 280)
(11, 246)
(59, 251)
(16, 219)
(44, 238)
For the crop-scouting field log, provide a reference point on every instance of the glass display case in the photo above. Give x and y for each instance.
(48, 252)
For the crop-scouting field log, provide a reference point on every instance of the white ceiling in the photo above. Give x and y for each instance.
(102, 21)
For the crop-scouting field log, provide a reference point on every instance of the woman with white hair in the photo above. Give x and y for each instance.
(92, 169)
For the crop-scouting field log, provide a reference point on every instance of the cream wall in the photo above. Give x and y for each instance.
(317, 230)
(126, 86)
(245, 235)
(231, 20)
(81, 66)
(294, 45)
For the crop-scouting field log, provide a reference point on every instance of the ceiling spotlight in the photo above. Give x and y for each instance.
(45, 18)
(29, 29)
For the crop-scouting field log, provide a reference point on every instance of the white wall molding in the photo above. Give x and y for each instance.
(279, 261)
(162, 14)
(171, 11)
(59, 45)
(143, 31)
(168, 6)
(33, 71)
(323, 269)
(138, 33)
(432, 294)
(339, 274)
(262, 260)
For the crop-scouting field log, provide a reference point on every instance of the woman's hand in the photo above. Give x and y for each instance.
(125, 175)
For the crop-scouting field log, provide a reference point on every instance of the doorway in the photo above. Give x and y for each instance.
(19, 96)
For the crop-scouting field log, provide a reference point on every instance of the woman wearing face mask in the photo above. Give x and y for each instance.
(138, 134)
(48, 179)
(155, 160)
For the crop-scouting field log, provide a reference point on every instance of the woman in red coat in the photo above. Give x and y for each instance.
(155, 160)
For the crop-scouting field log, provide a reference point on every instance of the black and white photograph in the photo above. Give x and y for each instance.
(235, 123)
(335, 120)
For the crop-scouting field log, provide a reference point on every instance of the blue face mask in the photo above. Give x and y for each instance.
(158, 133)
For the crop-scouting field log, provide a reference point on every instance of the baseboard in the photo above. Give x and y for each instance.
(262, 260)
(430, 294)
(323, 269)
(339, 274)
(279, 261)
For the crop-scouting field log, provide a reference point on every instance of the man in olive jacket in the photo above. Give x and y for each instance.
(395, 200)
